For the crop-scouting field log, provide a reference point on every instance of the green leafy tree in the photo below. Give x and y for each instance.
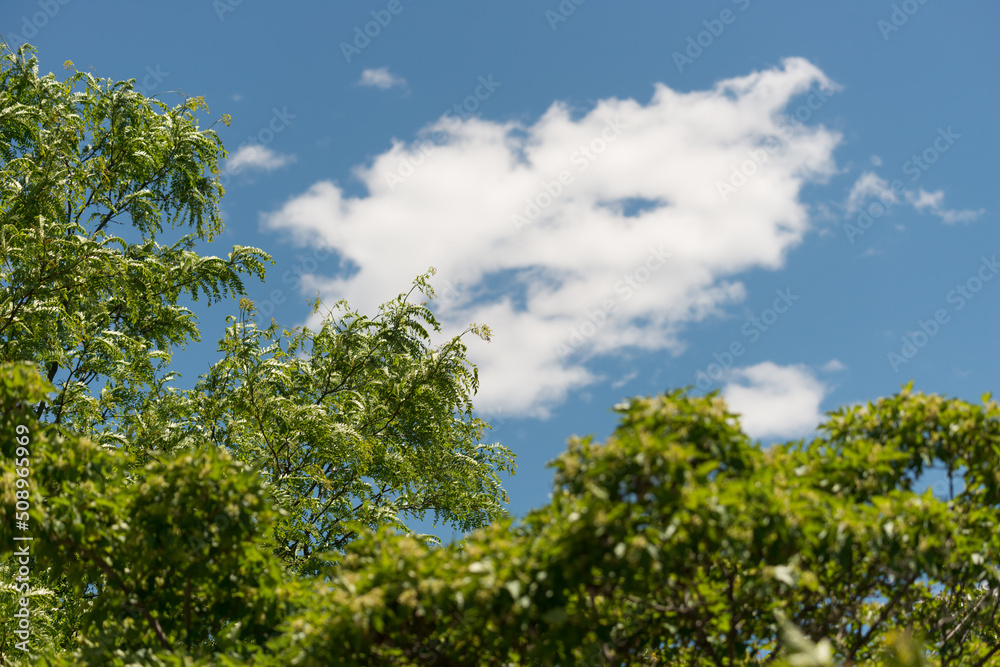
(105, 196)
(171, 564)
(372, 414)
(677, 541)
(680, 541)
(361, 424)
(101, 313)
(260, 518)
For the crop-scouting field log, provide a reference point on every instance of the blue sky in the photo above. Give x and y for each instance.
(795, 203)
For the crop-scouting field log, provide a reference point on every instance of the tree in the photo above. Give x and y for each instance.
(363, 423)
(677, 541)
(680, 541)
(260, 517)
(170, 564)
(91, 308)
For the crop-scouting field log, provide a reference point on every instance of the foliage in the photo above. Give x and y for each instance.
(170, 562)
(362, 423)
(260, 518)
(96, 310)
(105, 195)
(679, 541)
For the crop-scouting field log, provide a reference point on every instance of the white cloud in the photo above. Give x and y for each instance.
(381, 78)
(934, 202)
(834, 366)
(776, 401)
(253, 156)
(950, 217)
(871, 186)
(587, 270)
(867, 186)
(923, 199)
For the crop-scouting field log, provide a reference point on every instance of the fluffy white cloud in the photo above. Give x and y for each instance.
(775, 401)
(255, 156)
(580, 234)
(381, 78)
